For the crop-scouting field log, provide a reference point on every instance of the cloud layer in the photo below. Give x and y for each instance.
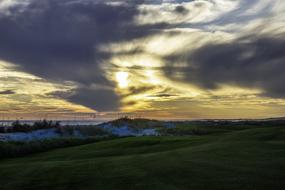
(169, 53)
(249, 62)
(58, 40)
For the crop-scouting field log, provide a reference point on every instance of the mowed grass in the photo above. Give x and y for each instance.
(240, 160)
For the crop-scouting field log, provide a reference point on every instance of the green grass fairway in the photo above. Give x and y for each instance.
(252, 159)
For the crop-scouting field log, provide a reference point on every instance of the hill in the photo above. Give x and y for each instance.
(246, 159)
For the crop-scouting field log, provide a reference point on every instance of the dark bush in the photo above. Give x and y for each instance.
(17, 126)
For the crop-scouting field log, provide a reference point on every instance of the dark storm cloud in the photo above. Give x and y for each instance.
(101, 99)
(98, 99)
(164, 95)
(55, 40)
(248, 62)
(139, 90)
(7, 92)
(58, 40)
(181, 9)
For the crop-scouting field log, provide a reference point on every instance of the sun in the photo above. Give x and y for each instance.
(122, 79)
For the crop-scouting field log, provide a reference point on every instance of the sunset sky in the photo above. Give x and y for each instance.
(166, 59)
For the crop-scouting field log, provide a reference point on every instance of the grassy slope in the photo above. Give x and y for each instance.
(248, 159)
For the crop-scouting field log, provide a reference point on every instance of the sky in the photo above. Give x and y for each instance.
(165, 59)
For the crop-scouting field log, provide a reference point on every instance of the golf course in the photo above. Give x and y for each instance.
(247, 159)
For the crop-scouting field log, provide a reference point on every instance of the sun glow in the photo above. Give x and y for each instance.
(122, 79)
